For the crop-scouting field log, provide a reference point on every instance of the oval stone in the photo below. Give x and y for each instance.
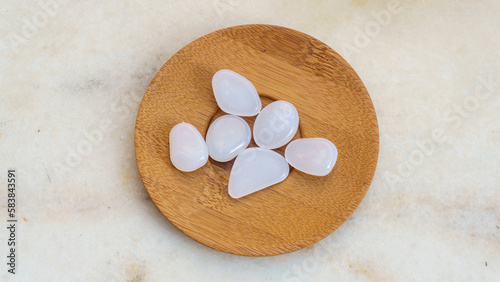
(235, 94)
(255, 169)
(227, 136)
(276, 125)
(315, 156)
(188, 150)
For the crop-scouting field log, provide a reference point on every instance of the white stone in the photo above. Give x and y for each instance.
(276, 125)
(315, 156)
(256, 169)
(235, 94)
(188, 150)
(227, 136)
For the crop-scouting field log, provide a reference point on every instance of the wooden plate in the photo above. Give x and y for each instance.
(283, 64)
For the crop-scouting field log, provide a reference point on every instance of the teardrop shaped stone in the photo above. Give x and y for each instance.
(315, 156)
(188, 150)
(227, 136)
(276, 125)
(256, 169)
(235, 94)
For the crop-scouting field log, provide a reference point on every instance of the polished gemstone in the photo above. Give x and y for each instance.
(315, 156)
(256, 169)
(227, 136)
(276, 125)
(188, 150)
(235, 94)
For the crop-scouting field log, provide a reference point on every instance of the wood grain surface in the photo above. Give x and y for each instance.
(283, 64)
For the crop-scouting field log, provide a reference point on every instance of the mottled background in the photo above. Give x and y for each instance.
(72, 74)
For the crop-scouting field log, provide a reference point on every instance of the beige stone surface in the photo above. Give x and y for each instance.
(72, 74)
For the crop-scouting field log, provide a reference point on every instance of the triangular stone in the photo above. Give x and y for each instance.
(256, 169)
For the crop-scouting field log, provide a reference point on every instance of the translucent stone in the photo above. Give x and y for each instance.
(188, 150)
(315, 156)
(276, 125)
(227, 136)
(256, 169)
(235, 94)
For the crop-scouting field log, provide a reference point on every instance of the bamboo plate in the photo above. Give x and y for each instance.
(283, 64)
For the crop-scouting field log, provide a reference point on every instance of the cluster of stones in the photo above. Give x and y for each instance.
(229, 136)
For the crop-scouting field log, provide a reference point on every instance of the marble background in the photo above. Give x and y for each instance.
(72, 74)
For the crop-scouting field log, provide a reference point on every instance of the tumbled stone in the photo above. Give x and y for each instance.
(188, 150)
(227, 136)
(255, 169)
(315, 156)
(235, 94)
(276, 125)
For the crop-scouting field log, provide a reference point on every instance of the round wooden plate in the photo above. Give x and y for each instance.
(283, 64)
